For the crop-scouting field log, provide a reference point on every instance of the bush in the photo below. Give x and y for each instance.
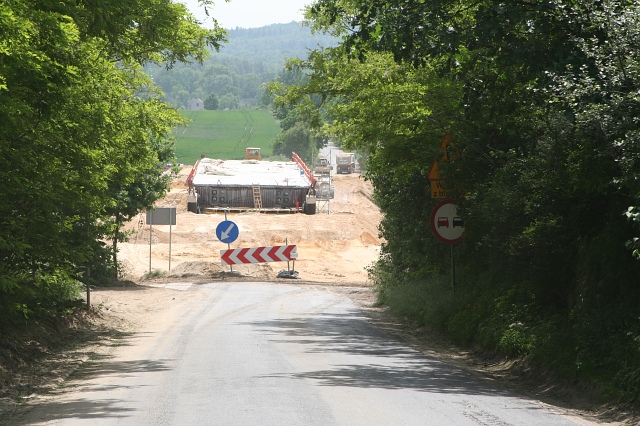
(47, 294)
(425, 300)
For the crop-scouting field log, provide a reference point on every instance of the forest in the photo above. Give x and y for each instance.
(541, 102)
(236, 74)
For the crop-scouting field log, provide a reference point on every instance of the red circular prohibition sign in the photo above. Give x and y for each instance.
(446, 225)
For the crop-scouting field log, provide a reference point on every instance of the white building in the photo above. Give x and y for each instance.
(195, 105)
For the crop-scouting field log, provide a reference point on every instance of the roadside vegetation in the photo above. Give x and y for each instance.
(83, 140)
(541, 101)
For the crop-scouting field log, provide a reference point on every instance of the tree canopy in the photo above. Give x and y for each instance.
(84, 133)
(250, 58)
(212, 102)
(541, 100)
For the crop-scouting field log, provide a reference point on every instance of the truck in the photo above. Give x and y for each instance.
(325, 191)
(346, 162)
(252, 154)
(323, 167)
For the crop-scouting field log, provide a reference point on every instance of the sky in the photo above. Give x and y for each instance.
(250, 13)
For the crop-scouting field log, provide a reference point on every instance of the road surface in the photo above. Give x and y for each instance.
(277, 354)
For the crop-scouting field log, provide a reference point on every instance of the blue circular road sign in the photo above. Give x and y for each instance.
(227, 231)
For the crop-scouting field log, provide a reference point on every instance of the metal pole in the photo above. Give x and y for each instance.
(453, 270)
(170, 243)
(228, 244)
(88, 288)
(329, 202)
(150, 236)
(286, 243)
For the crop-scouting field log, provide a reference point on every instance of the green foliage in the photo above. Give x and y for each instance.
(153, 274)
(296, 139)
(542, 104)
(83, 136)
(224, 134)
(510, 328)
(229, 101)
(427, 300)
(212, 102)
(44, 295)
(251, 58)
(627, 380)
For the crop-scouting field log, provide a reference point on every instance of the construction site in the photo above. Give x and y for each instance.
(252, 184)
(334, 245)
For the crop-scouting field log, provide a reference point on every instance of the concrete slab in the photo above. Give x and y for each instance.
(249, 172)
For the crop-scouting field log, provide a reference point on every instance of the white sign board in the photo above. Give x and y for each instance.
(161, 216)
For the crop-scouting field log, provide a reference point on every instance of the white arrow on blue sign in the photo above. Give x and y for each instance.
(227, 231)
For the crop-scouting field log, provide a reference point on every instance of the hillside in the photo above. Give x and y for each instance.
(235, 74)
(270, 45)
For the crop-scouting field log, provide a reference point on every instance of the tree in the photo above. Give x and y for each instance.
(211, 103)
(547, 126)
(297, 139)
(251, 58)
(229, 101)
(513, 134)
(300, 118)
(390, 111)
(81, 126)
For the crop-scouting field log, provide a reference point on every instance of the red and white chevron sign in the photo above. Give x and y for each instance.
(258, 255)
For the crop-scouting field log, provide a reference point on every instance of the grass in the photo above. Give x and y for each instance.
(224, 134)
(154, 274)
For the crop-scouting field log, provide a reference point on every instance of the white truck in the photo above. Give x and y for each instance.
(346, 162)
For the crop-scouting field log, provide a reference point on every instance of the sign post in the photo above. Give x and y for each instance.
(227, 232)
(161, 216)
(438, 188)
(448, 227)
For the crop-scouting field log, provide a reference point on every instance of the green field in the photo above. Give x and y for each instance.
(224, 134)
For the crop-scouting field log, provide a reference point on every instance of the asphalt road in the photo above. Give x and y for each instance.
(274, 354)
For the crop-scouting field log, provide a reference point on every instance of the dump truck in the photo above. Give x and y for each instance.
(346, 162)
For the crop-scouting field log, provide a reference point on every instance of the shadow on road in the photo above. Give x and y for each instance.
(373, 359)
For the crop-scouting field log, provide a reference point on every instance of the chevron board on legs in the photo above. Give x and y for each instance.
(258, 255)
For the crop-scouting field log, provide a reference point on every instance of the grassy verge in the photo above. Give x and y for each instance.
(590, 348)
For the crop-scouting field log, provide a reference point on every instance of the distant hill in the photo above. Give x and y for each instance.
(271, 44)
(252, 57)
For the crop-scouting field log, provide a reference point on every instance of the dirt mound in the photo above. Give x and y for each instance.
(186, 269)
